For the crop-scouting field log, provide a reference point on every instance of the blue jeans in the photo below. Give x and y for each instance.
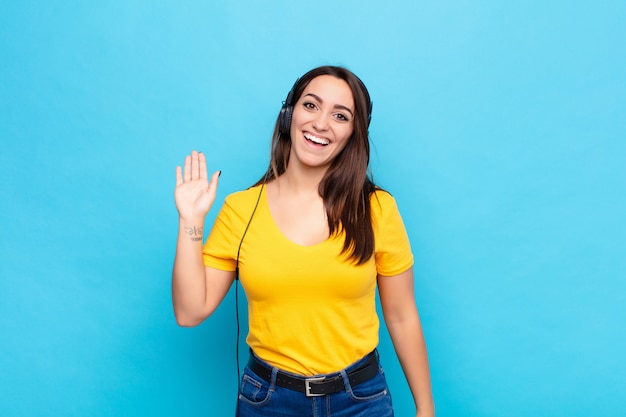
(259, 398)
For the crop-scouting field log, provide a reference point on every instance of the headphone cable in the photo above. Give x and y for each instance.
(256, 205)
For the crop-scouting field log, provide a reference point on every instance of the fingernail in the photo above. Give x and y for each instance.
(219, 173)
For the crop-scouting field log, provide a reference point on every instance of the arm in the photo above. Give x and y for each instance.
(196, 290)
(403, 323)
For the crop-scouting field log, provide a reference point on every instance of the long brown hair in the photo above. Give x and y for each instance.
(347, 185)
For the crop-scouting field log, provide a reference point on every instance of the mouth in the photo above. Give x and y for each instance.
(316, 140)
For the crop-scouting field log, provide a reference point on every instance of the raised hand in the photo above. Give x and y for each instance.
(194, 194)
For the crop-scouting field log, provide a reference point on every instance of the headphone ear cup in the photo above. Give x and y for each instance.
(285, 119)
(286, 112)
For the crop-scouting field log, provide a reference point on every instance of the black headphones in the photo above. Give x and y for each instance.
(284, 118)
(286, 112)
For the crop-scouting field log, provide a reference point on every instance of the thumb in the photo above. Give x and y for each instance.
(213, 182)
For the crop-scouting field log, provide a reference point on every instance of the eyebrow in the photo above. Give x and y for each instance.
(337, 106)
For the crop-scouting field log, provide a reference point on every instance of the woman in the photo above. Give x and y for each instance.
(312, 241)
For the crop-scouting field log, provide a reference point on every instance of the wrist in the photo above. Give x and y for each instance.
(426, 411)
(191, 220)
(192, 229)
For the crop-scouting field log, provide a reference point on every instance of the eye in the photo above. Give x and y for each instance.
(308, 105)
(342, 117)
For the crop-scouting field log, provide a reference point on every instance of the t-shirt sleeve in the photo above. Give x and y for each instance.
(220, 249)
(393, 249)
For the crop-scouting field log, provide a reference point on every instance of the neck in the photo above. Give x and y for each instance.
(296, 182)
(301, 179)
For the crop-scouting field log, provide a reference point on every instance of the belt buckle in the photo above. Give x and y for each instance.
(307, 386)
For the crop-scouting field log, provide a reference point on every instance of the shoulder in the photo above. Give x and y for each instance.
(243, 198)
(239, 205)
(385, 211)
(382, 201)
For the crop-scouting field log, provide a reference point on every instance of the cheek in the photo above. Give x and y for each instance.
(295, 120)
(299, 114)
(345, 140)
(346, 134)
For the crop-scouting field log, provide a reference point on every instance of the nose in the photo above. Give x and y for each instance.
(321, 120)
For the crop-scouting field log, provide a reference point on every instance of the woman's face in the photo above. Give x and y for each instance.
(322, 122)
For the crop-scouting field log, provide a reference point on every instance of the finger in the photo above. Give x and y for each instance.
(215, 179)
(187, 174)
(195, 173)
(179, 176)
(213, 183)
(202, 162)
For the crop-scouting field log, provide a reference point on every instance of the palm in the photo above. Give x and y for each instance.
(194, 194)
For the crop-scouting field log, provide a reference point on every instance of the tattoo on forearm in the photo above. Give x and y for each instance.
(195, 233)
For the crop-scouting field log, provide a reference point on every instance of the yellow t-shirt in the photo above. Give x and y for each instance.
(311, 309)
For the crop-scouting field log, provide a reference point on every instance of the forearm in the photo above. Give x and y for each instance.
(189, 287)
(410, 346)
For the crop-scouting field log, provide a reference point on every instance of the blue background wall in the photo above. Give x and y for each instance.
(499, 127)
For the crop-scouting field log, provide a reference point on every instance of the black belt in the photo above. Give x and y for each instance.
(317, 385)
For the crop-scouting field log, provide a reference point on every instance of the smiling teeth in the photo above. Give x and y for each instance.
(315, 139)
